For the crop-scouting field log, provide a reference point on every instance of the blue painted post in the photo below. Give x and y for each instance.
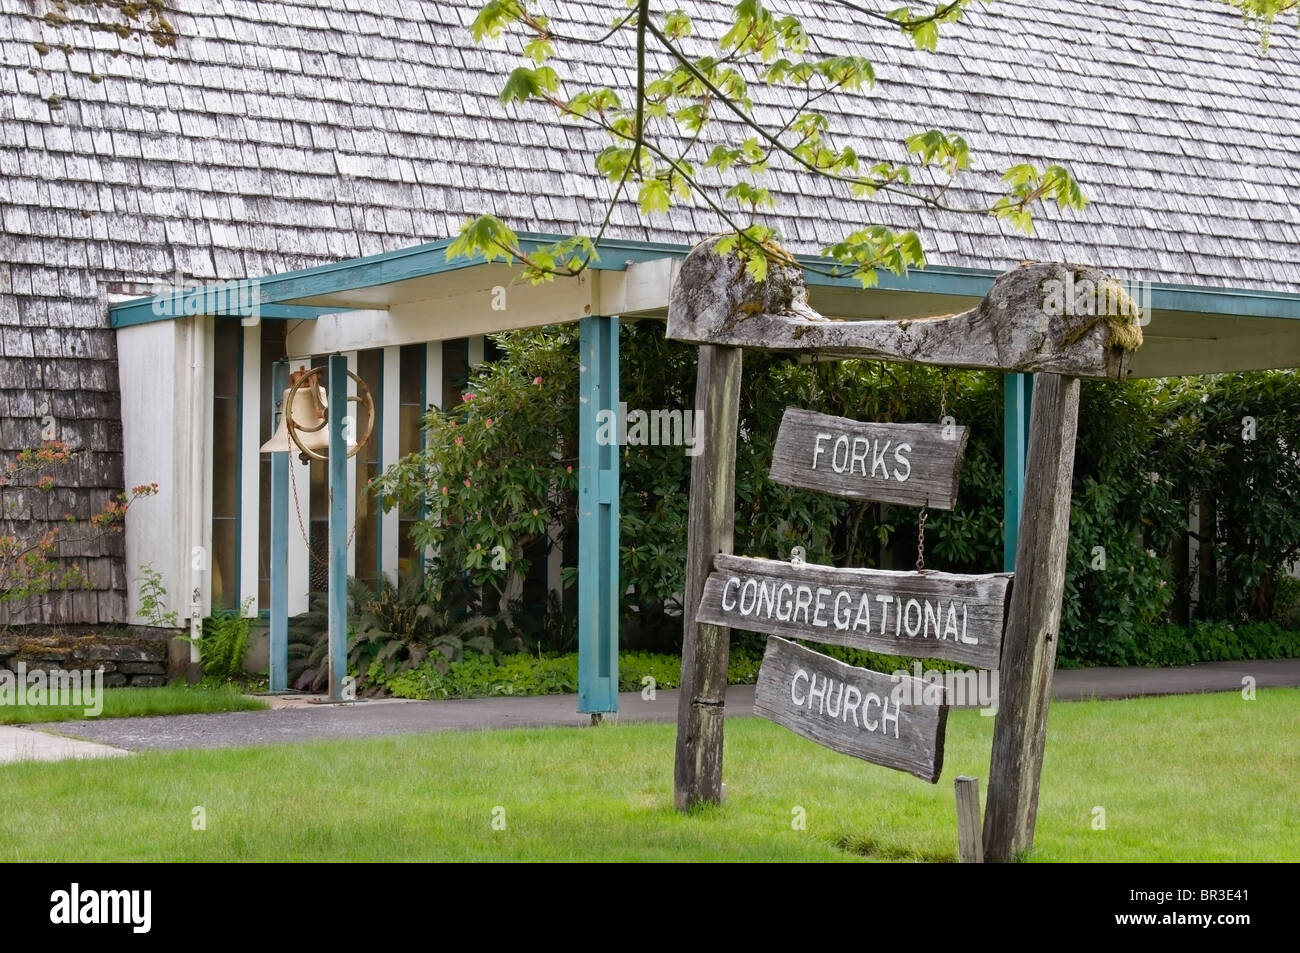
(1017, 390)
(338, 526)
(598, 552)
(279, 650)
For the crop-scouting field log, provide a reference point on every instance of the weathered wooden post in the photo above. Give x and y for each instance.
(1029, 649)
(706, 647)
(712, 290)
(970, 849)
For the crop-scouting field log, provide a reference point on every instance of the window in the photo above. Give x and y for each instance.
(272, 350)
(455, 371)
(410, 414)
(370, 368)
(227, 371)
(318, 504)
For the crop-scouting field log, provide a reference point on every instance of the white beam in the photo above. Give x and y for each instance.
(433, 379)
(1176, 357)
(456, 316)
(642, 288)
(433, 384)
(201, 408)
(391, 431)
(299, 559)
(299, 521)
(350, 471)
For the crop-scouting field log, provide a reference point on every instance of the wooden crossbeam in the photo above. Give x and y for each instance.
(1065, 319)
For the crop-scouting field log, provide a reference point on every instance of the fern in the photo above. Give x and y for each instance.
(223, 645)
(391, 630)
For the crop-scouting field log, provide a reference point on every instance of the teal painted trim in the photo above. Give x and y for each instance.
(296, 312)
(276, 291)
(424, 403)
(615, 253)
(598, 544)
(937, 279)
(279, 610)
(976, 282)
(422, 261)
(1224, 301)
(1017, 390)
(338, 526)
(240, 450)
(378, 436)
(969, 282)
(137, 311)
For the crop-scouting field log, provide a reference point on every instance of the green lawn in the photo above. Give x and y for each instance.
(1209, 777)
(132, 702)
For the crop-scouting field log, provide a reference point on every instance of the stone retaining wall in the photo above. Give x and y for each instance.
(140, 658)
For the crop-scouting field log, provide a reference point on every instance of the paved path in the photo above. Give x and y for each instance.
(300, 722)
(370, 720)
(1084, 683)
(24, 744)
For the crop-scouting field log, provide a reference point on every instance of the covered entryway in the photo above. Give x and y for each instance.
(399, 320)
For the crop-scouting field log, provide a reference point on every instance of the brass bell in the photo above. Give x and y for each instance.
(308, 411)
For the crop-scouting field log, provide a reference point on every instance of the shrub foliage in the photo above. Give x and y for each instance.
(496, 484)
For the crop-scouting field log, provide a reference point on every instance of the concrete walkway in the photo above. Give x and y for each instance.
(300, 722)
(26, 744)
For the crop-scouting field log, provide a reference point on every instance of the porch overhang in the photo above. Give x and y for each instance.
(416, 294)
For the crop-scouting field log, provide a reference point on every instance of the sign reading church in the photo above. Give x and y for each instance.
(960, 618)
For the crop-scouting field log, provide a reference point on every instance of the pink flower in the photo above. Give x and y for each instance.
(444, 491)
(469, 396)
(537, 381)
(488, 422)
(460, 441)
(467, 481)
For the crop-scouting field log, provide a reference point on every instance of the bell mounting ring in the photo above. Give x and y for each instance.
(293, 427)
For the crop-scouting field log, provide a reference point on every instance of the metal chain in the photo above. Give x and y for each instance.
(920, 522)
(297, 509)
(920, 540)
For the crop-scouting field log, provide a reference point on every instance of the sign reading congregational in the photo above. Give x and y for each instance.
(922, 614)
(854, 711)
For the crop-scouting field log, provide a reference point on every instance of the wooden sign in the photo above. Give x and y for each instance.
(920, 614)
(911, 464)
(855, 711)
(718, 304)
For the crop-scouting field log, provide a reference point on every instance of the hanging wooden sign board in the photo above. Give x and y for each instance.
(869, 715)
(910, 464)
(916, 614)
